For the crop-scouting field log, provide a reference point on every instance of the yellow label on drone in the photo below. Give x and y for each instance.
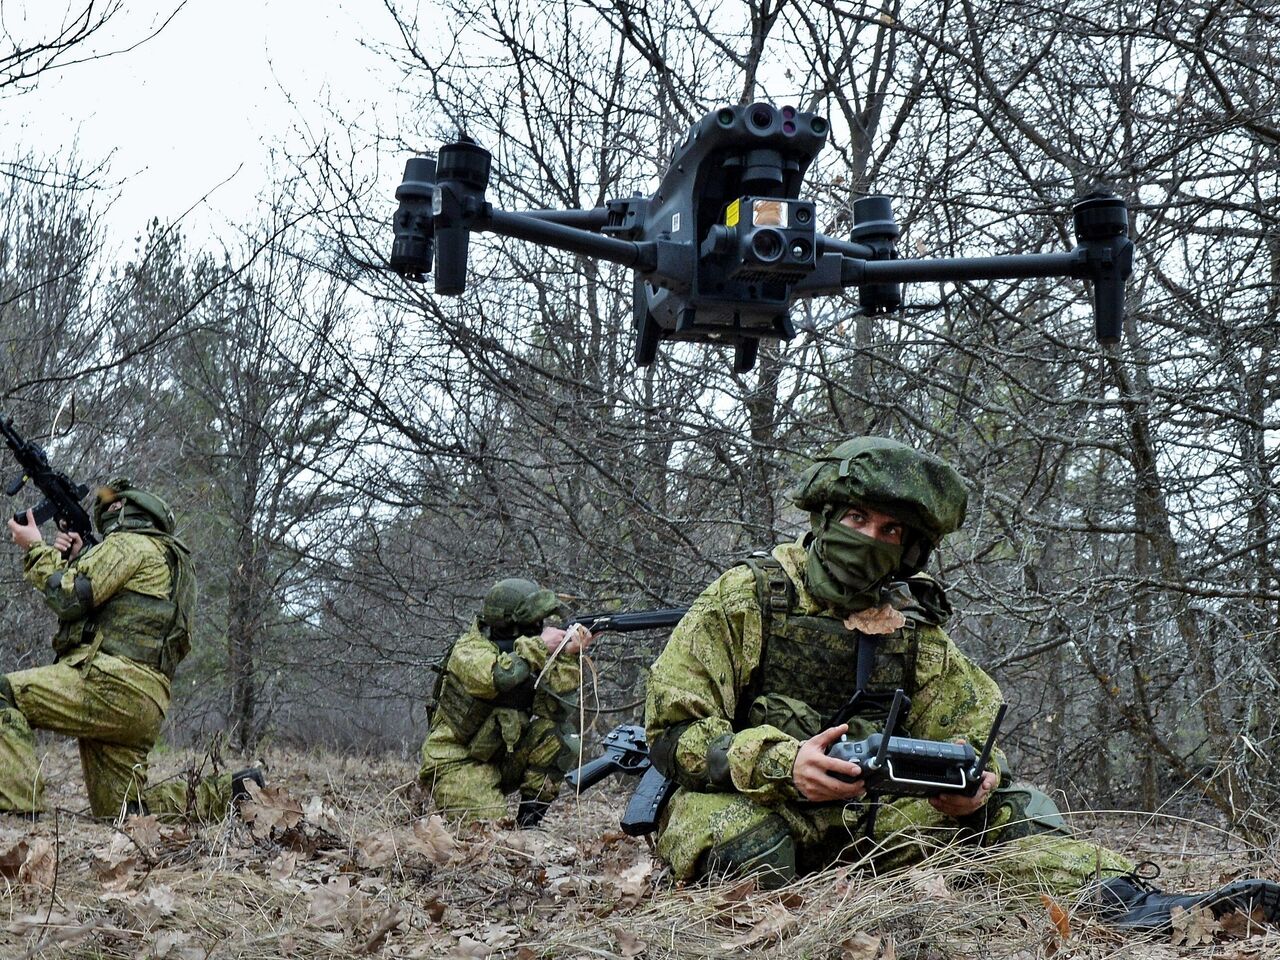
(731, 214)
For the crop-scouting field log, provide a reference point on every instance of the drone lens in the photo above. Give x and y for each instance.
(803, 215)
(762, 117)
(788, 113)
(767, 246)
(788, 127)
(818, 125)
(801, 250)
(725, 117)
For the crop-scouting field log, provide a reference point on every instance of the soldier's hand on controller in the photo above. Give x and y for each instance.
(68, 543)
(26, 535)
(813, 772)
(958, 805)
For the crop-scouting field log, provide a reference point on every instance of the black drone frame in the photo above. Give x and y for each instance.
(725, 246)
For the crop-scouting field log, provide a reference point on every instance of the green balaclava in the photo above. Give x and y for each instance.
(847, 569)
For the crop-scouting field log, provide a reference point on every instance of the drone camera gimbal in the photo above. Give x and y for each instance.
(725, 245)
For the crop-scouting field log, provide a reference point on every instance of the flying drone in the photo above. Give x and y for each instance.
(725, 246)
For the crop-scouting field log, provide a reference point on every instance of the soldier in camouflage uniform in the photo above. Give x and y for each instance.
(124, 608)
(739, 700)
(503, 719)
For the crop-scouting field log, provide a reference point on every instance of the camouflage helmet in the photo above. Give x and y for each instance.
(140, 509)
(516, 602)
(920, 490)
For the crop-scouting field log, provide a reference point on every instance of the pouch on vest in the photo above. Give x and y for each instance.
(464, 714)
(793, 717)
(485, 742)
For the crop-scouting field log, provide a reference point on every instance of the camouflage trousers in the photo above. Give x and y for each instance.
(465, 788)
(1021, 841)
(114, 707)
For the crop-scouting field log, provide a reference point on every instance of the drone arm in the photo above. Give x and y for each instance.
(523, 226)
(858, 272)
(1107, 262)
(582, 219)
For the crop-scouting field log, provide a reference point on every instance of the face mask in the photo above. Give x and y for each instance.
(108, 520)
(846, 569)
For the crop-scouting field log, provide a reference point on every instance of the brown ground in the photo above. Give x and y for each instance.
(337, 862)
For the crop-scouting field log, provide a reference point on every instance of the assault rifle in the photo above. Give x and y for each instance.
(62, 495)
(626, 750)
(906, 767)
(628, 622)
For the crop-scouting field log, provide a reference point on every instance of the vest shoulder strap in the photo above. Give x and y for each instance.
(776, 596)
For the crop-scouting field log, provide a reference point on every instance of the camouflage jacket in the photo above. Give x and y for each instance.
(696, 683)
(123, 566)
(487, 695)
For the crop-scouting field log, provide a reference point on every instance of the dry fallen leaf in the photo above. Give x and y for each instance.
(145, 908)
(860, 946)
(377, 849)
(432, 839)
(31, 861)
(876, 620)
(739, 891)
(501, 935)
(930, 885)
(1239, 925)
(12, 859)
(114, 875)
(269, 808)
(53, 927)
(632, 885)
(1193, 927)
(628, 945)
(174, 945)
(777, 923)
(145, 831)
(320, 813)
(435, 908)
(282, 867)
(389, 919)
(41, 864)
(329, 902)
(467, 947)
(1057, 916)
(339, 905)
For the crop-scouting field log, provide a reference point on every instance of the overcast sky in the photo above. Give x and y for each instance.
(208, 96)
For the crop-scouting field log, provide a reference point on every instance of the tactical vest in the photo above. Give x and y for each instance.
(814, 659)
(151, 630)
(464, 713)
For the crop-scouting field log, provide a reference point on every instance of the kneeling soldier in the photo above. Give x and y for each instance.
(495, 726)
(124, 609)
(741, 700)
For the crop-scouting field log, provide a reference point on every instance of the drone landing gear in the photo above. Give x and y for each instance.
(744, 354)
(648, 334)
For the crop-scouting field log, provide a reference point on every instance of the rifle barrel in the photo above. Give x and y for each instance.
(630, 622)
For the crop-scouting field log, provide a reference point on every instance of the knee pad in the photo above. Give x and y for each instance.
(7, 699)
(766, 849)
(1023, 811)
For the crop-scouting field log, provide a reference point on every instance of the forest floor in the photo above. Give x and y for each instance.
(341, 861)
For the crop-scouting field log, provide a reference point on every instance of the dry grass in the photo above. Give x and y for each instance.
(365, 875)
